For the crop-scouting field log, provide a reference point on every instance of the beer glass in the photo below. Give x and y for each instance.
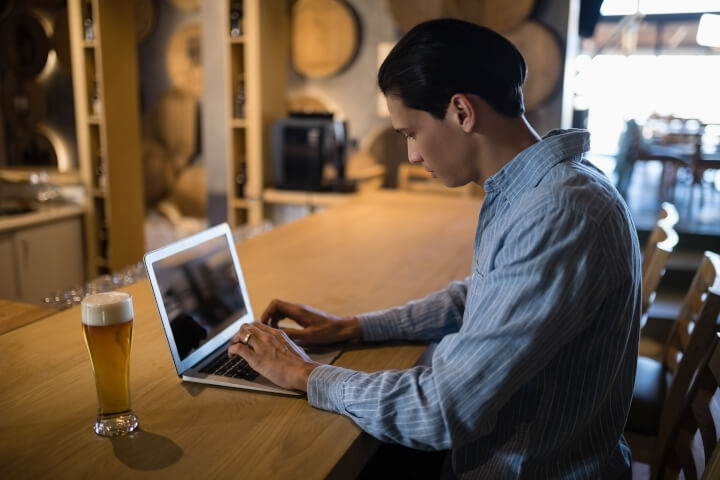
(107, 320)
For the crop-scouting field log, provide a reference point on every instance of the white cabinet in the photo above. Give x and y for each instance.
(8, 282)
(41, 259)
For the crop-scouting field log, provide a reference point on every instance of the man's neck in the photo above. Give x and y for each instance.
(504, 141)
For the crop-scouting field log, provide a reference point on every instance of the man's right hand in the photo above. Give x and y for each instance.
(318, 328)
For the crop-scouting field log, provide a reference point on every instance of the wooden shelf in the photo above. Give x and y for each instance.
(240, 203)
(24, 174)
(112, 132)
(312, 199)
(256, 61)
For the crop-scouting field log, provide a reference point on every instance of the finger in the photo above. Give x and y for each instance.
(280, 309)
(268, 330)
(240, 335)
(280, 336)
(275, 311)
(298, 333)
(242, 332)
(244, 351)
(245, 334)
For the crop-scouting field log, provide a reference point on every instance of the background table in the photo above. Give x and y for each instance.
(379, 250)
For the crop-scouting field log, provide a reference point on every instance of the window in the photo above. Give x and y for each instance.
(653, 7)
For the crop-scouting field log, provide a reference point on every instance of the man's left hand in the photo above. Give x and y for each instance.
(272, 354)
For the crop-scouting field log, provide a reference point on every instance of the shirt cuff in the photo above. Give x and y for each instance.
(325, 387)
(379, 326)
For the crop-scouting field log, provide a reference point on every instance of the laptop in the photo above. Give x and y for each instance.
(202, 300)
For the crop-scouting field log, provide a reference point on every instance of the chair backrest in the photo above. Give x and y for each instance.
(692, 441)
(667, 217)
(692, 337)
(668, 214)
(414, 178)
(712, 468)
(630, 142)
(663, 240)
(706, 281)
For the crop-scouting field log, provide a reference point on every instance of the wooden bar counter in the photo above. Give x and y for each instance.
(377, 251)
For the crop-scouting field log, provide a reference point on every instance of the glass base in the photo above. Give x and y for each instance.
(116, 425)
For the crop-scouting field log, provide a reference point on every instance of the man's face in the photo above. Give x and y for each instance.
(440, 146)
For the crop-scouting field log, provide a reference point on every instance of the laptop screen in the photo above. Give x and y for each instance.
(201, 293)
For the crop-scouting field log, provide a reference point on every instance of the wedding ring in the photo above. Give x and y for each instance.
(247, 338)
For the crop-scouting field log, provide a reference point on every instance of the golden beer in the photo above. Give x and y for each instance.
(107, 327)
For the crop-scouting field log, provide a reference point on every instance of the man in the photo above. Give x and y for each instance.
(534, 370)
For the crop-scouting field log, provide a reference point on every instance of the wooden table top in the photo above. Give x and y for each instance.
(16, 314)
(377, 251)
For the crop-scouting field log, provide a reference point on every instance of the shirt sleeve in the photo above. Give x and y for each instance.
(544, 288)
(427, 319)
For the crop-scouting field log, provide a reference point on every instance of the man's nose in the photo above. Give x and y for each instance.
(413, 155)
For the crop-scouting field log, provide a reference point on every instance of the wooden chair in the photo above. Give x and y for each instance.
(663, 239)
(414, 178)
(654, 378)
(651, 342)
(667, 217)
(692, 442)
(633, 149)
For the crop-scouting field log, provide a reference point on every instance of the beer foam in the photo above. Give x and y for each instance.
(107, 308)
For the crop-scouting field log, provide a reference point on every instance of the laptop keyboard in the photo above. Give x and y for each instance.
(234, 367)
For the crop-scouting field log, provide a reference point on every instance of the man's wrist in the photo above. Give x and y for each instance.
(306, 369)
(350, 329)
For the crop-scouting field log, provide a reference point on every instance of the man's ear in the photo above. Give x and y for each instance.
(463, 112)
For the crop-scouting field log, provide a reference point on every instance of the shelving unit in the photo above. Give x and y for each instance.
(258, 58)
(105, 86)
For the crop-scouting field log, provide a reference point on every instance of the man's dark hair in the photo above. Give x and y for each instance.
(439, 58)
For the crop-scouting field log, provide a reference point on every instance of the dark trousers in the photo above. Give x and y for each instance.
(397, 462)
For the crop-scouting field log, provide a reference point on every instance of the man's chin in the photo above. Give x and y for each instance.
(450, 183)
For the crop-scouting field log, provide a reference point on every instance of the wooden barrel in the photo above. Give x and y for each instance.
(306, 104)
(500, 15)
(544, 58)
(24, 44)
(325, 37)
(158, 171)
(183, 59)
(173, 122)
(389, 149)
(408, 13)
(187, 5)
(39, 147)
(144, 19)
(6, 6)
(189, 192)
(313, 101)
(24, 103)
(61, 40)
(59, 143)
(49, 4)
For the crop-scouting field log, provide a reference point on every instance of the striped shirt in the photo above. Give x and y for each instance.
(534, 372)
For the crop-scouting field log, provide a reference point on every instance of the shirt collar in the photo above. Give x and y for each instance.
(528, 167)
